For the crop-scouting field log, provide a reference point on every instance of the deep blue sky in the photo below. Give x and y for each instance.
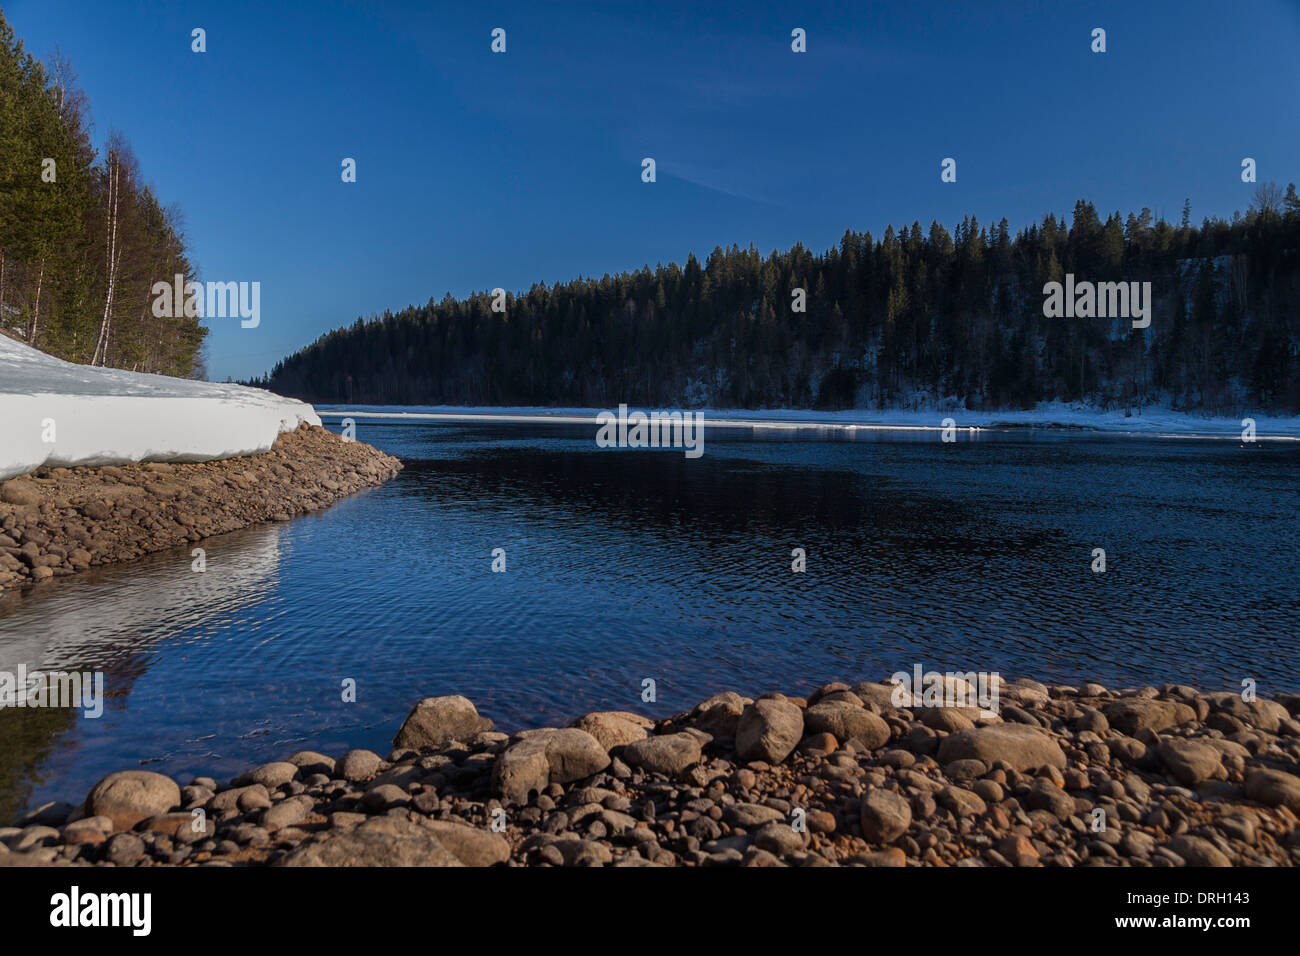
(478, 170)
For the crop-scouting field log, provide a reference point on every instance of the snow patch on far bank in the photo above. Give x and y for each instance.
(107, 416)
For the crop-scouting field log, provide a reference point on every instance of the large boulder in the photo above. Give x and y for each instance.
(471, 845)
(769, 729)
(720, 714)
(544, 757)
(380, 841)
(1191, 761)
(1021, 746)
(885, 815)
(1273, 788)
(1132, 714)
(844, 720)
(614, 728)
(436, 721)
(129, 796)
(668, 754)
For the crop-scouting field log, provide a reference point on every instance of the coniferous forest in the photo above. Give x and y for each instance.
(82, 237)
(913, 318)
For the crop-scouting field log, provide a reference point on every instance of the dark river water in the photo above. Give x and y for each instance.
(623, 565)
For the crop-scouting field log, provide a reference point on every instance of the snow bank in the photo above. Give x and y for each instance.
(98, 416)
(1152, 421)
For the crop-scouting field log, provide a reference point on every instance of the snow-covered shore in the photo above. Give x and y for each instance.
(1152, 421)
(57, 413)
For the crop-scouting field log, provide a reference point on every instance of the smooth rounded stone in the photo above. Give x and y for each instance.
(88, 830)
(751, 815)
(821, 821)
(898, 759)
(358, 765)
(769, 730)
(575, 851)
(1197, 851)
(179, 824)
(965, 770)
(471, 845)
(195, 796)
(880, 696)
(614, 728)
(947, 719)
(124, 849)
(311, 763)
(380, 841)
(1045, 795)
(890, 856)
(1137, 844)
(884, 816)
(990, 791)
(1093, 721)
(779, 839)
(845, 720)
(961, 802)
(1265, 715)
(384, 798)
(228, 800)
(404, 776)
(287, 813)
(1131, 714)
(269, 775)
(819, 744)
(719, 714)
(758, 857)
(1092, 689)
(1273, 788)
(1190, 761)
(249, 834)
(33, 836)
(254, 797)
(1017, 745)
(436, 721)
(129, 796)
(552, 756)
(1017, 850)
(668, 754)
(921, 740)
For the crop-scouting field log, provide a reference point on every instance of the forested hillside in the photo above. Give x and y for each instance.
(82, 237)
(913, 317)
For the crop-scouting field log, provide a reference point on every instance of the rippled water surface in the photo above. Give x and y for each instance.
(624, 565)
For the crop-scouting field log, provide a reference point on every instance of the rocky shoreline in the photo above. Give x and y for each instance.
(57, 521)
(851, 775)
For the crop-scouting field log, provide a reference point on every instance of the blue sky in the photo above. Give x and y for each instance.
(478, 170)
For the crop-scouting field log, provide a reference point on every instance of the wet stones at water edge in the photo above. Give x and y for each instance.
(57, 521)
(1063, 776)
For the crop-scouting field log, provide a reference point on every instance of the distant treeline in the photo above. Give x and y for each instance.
(82, 239)
(911, 318)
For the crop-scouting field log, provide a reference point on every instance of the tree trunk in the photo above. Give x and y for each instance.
(36, 313)
(101, 347)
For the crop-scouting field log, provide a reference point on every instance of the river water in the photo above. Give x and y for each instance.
(624, 565)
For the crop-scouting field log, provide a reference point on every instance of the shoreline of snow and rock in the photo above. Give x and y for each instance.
(99, 466)
(1060, 776)
(58, 414)
(1152, 421)
(57, 521)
